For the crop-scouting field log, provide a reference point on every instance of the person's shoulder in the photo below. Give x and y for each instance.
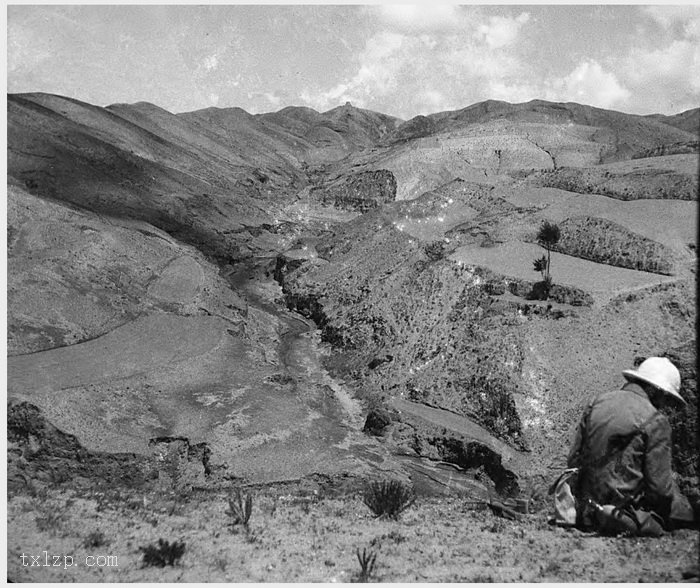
(635, 407)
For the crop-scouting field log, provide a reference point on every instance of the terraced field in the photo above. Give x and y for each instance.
(515, 259)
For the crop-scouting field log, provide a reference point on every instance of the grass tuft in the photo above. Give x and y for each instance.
(240, 508)
(165, 554)
(388, 498)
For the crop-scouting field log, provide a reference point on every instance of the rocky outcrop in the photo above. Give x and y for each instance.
(498, 472)
(377, 421)
(607, 242)
(40, 452)
(180, 464)
(359, 192)
(471, 455)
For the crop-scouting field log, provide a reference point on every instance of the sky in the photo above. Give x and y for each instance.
(402, 60)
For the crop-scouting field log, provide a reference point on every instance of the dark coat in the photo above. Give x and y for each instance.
(623, 451)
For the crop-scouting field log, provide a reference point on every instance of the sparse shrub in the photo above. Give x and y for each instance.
(165, 554)
(367, 561)
(240, 508)
(388, 498)
(95, 539)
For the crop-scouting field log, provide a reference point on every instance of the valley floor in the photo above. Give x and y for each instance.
(304, 537)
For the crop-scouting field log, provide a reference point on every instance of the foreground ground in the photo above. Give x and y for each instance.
(302, 536)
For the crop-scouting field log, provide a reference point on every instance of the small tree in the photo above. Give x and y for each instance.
(547, 237)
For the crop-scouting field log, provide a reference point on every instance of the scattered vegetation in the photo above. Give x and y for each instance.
(50, 517)
(367, 560)
(388, 498)
(165, 554)
(240, 508)
(435, 250)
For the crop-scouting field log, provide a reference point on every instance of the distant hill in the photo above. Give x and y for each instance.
(333, 134)
(204, 175)
(688, 121)
(621, 135)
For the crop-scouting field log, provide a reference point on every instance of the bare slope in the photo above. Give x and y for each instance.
(121, 335)
(92, 158)
(73, 275)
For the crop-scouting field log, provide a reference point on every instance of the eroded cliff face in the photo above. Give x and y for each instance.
(358, 192)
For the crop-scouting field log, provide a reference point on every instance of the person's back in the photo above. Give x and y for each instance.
(623, 452)
(622, 449)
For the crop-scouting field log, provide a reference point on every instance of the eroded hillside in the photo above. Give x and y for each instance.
(224, 297)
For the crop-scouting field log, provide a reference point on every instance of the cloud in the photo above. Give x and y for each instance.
(436, 68)
(500, 31)
(672, 16)
(273, 99)
(26, 49)
(664, 76)
(380, 62)
(677, 63)
(419, 17)
(588, 84)
(211, 62)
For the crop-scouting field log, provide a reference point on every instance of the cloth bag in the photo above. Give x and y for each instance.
(564, 502)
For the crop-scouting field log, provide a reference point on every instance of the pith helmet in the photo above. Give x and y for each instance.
(659, 372)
